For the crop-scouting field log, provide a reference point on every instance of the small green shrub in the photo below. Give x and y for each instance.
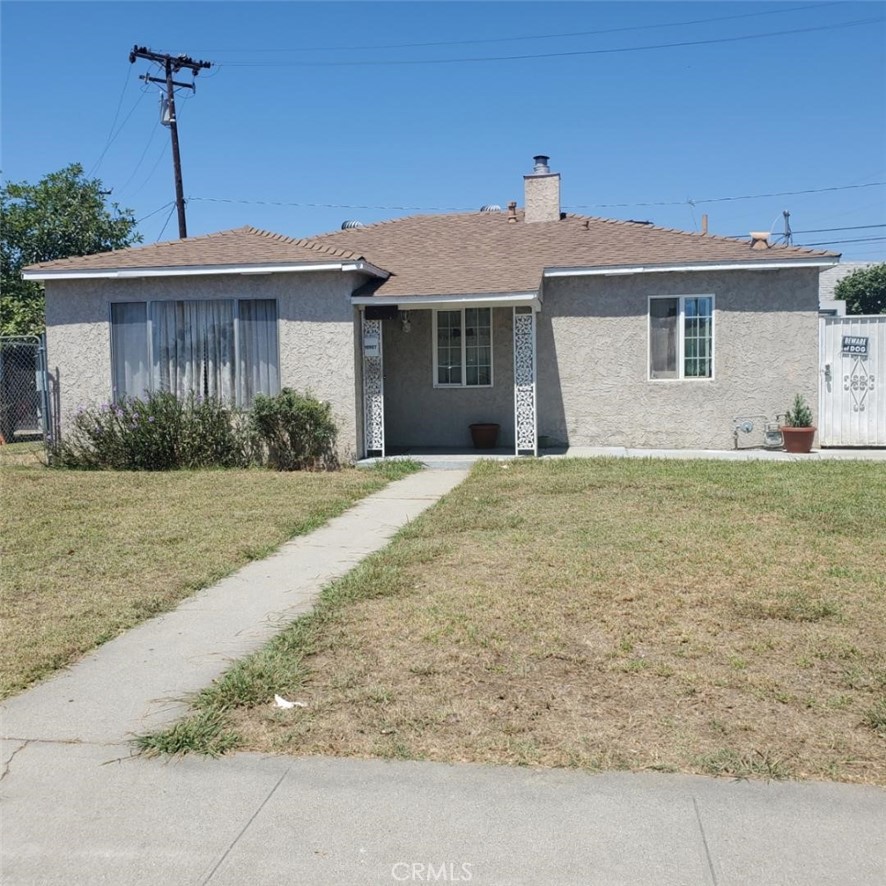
(297, 431)
(799, 415)
(159, 433)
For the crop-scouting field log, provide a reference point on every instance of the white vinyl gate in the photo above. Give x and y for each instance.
(852, 394)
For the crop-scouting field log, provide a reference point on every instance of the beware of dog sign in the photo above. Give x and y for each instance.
(856, 345)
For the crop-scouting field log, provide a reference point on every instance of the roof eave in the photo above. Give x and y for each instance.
(347, 265)
(744, 265)
(528, 298)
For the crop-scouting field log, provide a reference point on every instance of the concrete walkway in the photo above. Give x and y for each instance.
(77, 808)
(140, 680)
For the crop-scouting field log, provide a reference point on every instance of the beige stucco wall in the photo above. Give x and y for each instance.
(316, 333)
(417, 413)
(593, 386)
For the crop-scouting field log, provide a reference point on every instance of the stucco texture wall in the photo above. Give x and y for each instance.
(418, 414)
(593, 386)
(316, 333)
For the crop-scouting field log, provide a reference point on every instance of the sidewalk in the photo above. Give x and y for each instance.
(78, 808)
(73, 816)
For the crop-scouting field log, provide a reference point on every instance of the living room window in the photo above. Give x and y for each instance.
(463, 348)
(681, 337)
(222, 348)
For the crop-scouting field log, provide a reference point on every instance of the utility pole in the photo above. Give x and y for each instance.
(172, 64)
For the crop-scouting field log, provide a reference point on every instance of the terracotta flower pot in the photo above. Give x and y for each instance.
(797, 439)
(484, 435)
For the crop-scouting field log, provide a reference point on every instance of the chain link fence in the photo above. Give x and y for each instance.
(24, 390)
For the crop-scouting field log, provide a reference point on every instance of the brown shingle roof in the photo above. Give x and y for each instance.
(240, 246)
(483, 253)
(469, 253)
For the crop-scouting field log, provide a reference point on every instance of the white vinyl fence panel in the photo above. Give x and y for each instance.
(852, 397)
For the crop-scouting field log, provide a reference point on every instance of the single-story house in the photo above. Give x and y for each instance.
(585, 331)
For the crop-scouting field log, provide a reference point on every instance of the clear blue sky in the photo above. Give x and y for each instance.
(279, 118)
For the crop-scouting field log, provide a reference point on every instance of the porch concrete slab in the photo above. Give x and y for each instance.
(141, 680)
(85, 814)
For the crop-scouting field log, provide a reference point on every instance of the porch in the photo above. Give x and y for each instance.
(430, 371)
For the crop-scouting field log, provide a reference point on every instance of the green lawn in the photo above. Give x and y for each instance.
(709, 617)
(88, 554)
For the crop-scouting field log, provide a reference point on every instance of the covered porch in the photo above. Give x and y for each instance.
(433, 366)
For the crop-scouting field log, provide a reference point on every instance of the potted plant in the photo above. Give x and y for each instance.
(484, 435)
(798, 430)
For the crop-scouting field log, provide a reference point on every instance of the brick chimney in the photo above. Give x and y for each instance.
(541, 192)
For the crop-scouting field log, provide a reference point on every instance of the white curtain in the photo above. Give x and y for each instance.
(257, 340)
(193, 348)
(129, 350)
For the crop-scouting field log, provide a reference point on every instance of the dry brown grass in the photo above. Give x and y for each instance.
(87, 555)
(705, 617)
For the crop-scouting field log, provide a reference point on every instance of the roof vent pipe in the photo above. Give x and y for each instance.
(512, 212)
(541, 165)
(759, 239)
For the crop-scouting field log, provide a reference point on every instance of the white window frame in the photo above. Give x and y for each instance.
(149, 329)
(681, 337)
(464, 368)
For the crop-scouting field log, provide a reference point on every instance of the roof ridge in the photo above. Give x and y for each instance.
(393, 221)
(306, 242)
(721, 237)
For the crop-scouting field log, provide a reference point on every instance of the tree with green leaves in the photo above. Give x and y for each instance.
(864, 290)
(61, 216)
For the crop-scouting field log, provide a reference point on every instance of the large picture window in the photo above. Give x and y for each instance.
(681, 337)
(463, 348)
(222, 348)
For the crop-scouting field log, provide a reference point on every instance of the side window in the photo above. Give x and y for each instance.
(681, 337)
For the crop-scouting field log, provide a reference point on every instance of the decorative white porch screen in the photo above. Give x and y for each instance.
(222, 348)
(525, 418)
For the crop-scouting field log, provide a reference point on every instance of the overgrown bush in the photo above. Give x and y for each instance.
(297, 431)
(159, 433)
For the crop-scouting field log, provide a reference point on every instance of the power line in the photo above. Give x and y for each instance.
(333, 205)
(575, 53)
(823, 230)
(831, 230)
(163, 149)
(141, 159)
(146, 217)
(727, 199)
(833, 242)
(173, 205)
(113, 123)
(474, 42)
(113, 138)
(573, 206)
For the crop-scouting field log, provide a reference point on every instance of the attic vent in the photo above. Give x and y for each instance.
(351, 223)
(490, 207)
(759, 239)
